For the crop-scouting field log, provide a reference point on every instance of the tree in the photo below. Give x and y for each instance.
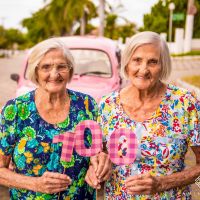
(58, 18)
(11, 37)
(197, 20)
(64, 17)
(112, 29)
(158, 19)
(2, 38)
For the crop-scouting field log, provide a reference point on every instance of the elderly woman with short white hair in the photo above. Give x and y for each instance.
(29, 123)
(164, 118)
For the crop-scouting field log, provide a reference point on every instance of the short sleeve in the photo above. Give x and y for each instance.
(8, 128)
(193, 110)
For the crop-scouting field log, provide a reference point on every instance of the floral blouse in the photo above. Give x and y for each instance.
(28, 138)
(163, 141)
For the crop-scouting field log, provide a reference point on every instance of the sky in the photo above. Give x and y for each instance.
(12, 12)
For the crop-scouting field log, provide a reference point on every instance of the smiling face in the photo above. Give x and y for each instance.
(144, 67)
(52, 72)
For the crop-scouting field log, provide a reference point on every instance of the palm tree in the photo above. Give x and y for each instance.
(112, 29)
(57, 18)
(70, 13)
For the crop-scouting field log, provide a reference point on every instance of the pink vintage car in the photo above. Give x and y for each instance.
(97, 67)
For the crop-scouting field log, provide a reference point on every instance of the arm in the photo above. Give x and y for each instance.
(48, 183)
(102, 166)
(147, 184)
(185, 177)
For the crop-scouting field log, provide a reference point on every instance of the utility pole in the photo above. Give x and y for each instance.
(101, 17)
(191, 11)
(171, 8)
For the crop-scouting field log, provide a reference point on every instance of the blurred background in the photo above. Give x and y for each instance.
(24, 23)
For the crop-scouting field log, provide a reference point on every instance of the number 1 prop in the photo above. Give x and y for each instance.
(76, 139)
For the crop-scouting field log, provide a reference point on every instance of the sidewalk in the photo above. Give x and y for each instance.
(184, 67)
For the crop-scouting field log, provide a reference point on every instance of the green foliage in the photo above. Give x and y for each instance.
(112, 29)
(191, 53)
(197, 20)
(126, 30)
(115, 31)
(158, 19)
(88, 29)
(63, 17)
(193, 80)
(2, 38)
(58, 18)
(11, 38)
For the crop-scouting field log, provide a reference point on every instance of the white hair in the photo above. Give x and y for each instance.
(147, 37)
(39, 51)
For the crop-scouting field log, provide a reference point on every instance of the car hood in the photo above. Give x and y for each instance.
(96, 89)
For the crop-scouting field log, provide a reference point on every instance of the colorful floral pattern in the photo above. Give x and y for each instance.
(28, 138)
(163, 140)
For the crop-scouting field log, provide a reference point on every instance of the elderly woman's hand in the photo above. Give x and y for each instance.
(102, 166)
(143, 184)
(92, 179)
(51, 182)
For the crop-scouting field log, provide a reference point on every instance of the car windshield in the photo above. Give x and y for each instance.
(91, 62)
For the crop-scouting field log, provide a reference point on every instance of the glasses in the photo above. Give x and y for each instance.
(61, 67)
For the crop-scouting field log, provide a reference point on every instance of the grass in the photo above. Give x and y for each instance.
(193, 80)
(191, 53)
(2, 56)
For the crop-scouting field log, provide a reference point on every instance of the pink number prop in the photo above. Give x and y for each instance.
(68, 144)
(96, 146)
(71, 140)
(76, 139)
(131, 149)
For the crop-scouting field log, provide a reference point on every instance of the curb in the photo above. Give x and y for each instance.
(190, 87)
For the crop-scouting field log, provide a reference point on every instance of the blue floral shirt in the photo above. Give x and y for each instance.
(28, 138)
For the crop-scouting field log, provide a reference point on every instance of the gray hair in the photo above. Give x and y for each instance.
(147, 37)
(39, 51)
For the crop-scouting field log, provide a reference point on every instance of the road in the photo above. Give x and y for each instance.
(181, 67)
(7, 67)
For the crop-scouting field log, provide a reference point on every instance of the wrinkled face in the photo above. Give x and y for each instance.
(144, 67)
(53, 71)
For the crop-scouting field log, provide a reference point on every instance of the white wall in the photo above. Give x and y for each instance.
(173, 46)
(195, 44)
